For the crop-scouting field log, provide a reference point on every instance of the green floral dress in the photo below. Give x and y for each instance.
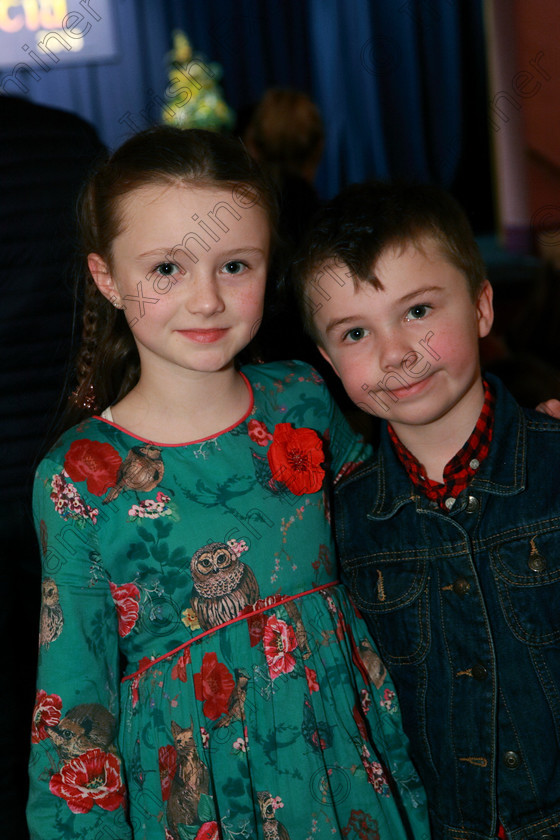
(202, 674)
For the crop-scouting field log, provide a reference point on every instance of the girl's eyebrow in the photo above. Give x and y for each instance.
(169, 253)
(243, 249)
(158, 252)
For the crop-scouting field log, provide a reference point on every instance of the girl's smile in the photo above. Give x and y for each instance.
(207, 336)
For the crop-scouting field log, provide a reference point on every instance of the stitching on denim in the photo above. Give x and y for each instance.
(476, 761)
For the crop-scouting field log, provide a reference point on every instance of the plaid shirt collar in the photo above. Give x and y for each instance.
(461, 468)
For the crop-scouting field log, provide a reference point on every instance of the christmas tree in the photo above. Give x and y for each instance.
(194, 97)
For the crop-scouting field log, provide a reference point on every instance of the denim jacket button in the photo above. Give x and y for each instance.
(472, 504)
(511, 760)
(479, 672)
(461, 587)
(537, 563)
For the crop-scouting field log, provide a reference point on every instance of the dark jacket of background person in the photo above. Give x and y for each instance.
(45, 155)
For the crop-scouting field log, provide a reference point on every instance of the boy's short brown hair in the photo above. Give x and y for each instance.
(357, 226)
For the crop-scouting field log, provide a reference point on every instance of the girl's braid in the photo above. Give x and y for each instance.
(84, 395)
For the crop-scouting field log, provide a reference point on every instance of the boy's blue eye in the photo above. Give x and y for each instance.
(417, 311)
(356, 334)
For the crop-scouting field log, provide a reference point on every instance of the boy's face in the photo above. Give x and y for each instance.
(408, 352)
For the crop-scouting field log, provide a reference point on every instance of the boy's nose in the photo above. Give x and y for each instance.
(204, 297)
(393, 349)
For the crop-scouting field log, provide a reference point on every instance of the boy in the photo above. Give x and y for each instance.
(449, 536)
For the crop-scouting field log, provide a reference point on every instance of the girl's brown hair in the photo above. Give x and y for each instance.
(107, 366)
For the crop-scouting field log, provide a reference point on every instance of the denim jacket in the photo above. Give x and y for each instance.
(465, 608)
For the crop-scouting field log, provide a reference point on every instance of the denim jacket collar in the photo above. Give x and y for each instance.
(503, 472)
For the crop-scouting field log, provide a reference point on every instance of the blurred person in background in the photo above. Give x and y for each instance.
(45, 154)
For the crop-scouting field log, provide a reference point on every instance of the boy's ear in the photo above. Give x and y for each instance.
(327, 358)
(485, 309)
(103, 278)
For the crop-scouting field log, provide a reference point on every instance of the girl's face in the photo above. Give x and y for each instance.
(189, 266)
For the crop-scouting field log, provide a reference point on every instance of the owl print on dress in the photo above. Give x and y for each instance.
(85, 727)
(141, 470)
(190, 781)
(51, 621)
(374, 666)
(223, 585)
(272, 828)
(236, 705)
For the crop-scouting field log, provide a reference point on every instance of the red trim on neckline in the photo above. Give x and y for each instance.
(187, 442)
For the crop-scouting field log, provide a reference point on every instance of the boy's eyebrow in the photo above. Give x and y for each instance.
(348, 319)
(425, 291)
(338, 322)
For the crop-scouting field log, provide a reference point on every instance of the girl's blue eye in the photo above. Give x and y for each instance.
(418, 311)
(234, 267)
(166, 269)
(356, 334)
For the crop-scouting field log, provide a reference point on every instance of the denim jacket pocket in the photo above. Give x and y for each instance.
(527, 573)
(392, 592)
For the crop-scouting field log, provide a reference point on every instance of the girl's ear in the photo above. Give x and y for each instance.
(103, 279)
(485, 309)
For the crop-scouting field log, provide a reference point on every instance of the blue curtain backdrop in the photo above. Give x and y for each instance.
(386, 74)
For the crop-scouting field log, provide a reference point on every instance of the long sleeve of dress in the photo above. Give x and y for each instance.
(76, 779)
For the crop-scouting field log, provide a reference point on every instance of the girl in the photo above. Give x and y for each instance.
(201, 673)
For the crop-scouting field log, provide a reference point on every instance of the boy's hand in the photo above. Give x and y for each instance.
(551, 407)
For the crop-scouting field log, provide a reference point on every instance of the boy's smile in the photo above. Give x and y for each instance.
(407, 352)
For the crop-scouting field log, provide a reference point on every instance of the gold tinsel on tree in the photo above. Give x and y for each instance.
(194, 97)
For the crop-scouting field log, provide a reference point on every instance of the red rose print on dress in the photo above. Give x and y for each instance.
(126, 598)
(259, 433)
(295, 457)
(93, 778)
(362, 825)
(135, 685)
(256, 623)
(311, 675)
(208, 831)
(213, 685)
(279, 641)
(93, 462)
(167, 769)
(179, 670)
(47, 711)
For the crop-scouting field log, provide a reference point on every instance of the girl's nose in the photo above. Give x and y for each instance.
(205, 297)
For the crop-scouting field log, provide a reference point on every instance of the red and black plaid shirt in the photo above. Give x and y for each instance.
(460, 470)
